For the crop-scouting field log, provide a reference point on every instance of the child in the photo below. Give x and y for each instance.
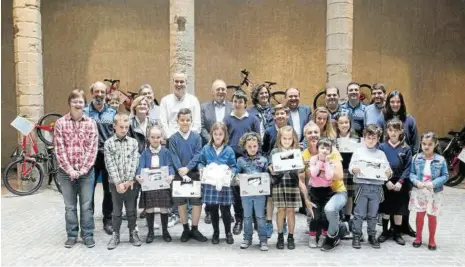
(428, 174)
(396, 194)
(285, 190)
(368, 191)
(253, 162)
(321, 172)
(216, 151)
(114, 100)
(345, 132)
(121, 159)
(238, 123)
(155, 156)
(185, 147)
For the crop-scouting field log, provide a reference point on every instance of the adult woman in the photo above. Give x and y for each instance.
(154, 110)
(321, 117)
(261, 107)
(140, 122)
(395, 108)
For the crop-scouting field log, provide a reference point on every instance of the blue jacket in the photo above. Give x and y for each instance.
(104, 119)
(145, 160)
(439, 172)
(227, 157)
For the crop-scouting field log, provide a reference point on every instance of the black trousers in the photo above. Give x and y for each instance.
(237, 204)
(128, 199)
(107, 205)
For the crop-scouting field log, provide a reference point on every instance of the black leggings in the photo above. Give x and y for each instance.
(215, 216)
(319, 196)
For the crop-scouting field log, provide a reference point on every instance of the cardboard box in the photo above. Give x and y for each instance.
(155, 179)
(192, 189)
(288, 161)
(255, 184)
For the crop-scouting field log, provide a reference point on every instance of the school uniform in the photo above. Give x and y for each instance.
(285, 189)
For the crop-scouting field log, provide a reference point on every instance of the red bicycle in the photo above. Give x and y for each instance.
(25, 175)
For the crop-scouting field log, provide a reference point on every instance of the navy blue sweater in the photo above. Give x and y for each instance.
(185, 153)
(238, 127)
(400, 159)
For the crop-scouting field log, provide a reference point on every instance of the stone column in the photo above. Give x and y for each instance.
(28, 58)
(339, 43)
(182, 40)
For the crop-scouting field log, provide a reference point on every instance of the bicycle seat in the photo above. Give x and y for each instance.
(132, 94)
(452, 133)
(236, 87)
(50, 147)
(270, 83)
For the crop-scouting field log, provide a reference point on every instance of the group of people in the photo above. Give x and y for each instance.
(335, 188)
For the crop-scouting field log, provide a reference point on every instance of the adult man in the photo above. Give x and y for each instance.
(172, 103)
(299, 114)
(355, 107)
(76, 142)
(211, 112)
(375, 111)
(103, 114)
(332, 102)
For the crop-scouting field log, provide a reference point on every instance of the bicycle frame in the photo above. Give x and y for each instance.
(35, 149)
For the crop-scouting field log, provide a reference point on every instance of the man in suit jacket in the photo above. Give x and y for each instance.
(299, 115)
(214, 110)
(211, 112)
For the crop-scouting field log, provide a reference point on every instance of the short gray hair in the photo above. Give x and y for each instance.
(144, 86)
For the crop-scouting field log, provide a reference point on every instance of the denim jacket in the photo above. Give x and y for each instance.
(439, 173)
(247, 164)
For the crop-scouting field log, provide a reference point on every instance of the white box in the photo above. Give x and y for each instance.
(255, 184)
(190, 190)
(288, 161)
(155, 179)
(348, 145)
(373, 169)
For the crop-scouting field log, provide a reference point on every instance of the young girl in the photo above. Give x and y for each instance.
(345, 133)
(217, 151)
(428, 174)
(155, 156)
(396, 194)
(321, 171)
(253, 162)
(285, 190)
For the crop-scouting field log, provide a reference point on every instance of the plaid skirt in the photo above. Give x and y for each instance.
(212, 196)
(348, 179)
(286, 194)
(155, 199)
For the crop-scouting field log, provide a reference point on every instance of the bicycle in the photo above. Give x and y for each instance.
(453, 147)
(126, 97)
(277, 97)
(365, 96)
(25, 172)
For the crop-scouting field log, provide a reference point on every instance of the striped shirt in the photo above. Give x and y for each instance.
(76, 143)
(121, 158)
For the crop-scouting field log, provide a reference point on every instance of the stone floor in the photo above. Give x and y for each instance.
(33, 232)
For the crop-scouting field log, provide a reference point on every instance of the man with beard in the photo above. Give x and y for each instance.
(103, 114)
(374, 112)
(355, 108)
(332, 102)
(211, 112)
(299, 114)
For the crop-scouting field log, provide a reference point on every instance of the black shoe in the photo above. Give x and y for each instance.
(373, 241)
(409, 231)
(356, 241)
(432, 247)
(330, 243)
(114, 241)
(142, 215)
(237, 228)
(150, 237)
(70, 242)
(280, 244)
(383, 237)
(89, 242)
(290, 243)
(185, 236)
(399, 240)
(416, 244)
(232, 219)
(195, 234)
(108, 228)
(216, 238)
(166, 236)
(229, 239)
(134, 238)
(208, 218)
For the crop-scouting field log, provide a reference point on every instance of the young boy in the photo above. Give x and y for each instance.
(239, 122)
(185, 147)
(368, 193)
(121, 154)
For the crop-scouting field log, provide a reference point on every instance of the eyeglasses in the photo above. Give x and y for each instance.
(77, 102)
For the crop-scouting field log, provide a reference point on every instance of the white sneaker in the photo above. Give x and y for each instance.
(156, 225)
(312, 242)
(321, 241)
(173, 221)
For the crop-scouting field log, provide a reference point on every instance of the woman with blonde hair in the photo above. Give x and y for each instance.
(322, 118)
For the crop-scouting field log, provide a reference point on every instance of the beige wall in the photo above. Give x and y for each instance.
(416, 46)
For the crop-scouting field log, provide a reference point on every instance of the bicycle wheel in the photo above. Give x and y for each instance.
(45, 127)
(278, 97)
(23, 184)
(319, 99)
(52, 169)
(459, 178)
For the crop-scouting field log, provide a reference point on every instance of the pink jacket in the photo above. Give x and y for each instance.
(321, 173)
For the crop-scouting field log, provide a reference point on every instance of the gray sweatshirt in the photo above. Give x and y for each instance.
(367, 153)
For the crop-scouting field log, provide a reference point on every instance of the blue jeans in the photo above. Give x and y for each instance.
(249, 204)
(367, 199)
(84, 188)
(332, 210)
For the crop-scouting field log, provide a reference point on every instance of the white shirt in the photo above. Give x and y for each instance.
(296, 122)
(246, 114)
(142, 126)
(154, 115)
(220, 111)
(155, 158)
(169, 108)
(185, 135)
(218, 150)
